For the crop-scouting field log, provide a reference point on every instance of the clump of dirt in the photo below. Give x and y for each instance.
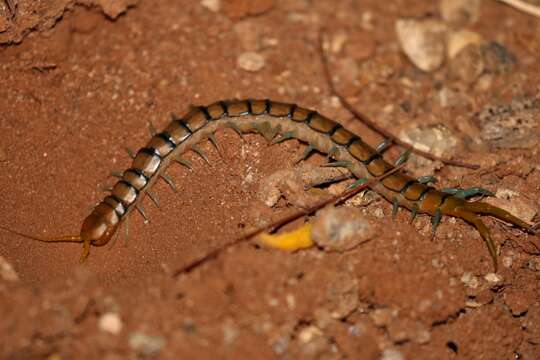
(83, 87)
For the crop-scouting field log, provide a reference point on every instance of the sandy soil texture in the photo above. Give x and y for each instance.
(81, 80)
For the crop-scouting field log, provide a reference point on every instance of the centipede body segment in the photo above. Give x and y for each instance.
(277, 122)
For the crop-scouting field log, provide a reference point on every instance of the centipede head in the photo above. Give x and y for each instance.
(98, 228)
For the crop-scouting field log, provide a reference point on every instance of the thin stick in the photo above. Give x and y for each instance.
(285, 220)
(371, 124)
(523, 6)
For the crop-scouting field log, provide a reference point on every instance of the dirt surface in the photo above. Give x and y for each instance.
(81, 87)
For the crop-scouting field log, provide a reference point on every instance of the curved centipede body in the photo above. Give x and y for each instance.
(277, 122)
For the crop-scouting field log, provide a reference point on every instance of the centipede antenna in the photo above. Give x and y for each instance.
(213, 140)
(116, 174)
(151, 128)
(169, 181)
(184, 162)
(395, 207)
(201, 153)
(403, 157)
(309, 149)
(154, 198)
(64, 238)
(141, 211)
(130, 152)
(384, 145)
(236, 129)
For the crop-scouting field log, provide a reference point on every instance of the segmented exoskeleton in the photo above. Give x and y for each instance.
(277, 122)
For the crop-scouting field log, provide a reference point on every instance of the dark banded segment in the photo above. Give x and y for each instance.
(162, 143)
(342, 136)
(407, 185)
(116, 204)
(360, 150)
(396, 182)
(124, 192)
(205, 112)
(279, 109)
(321, 123)
(195, 119)
(178, 131)
(217, 110)
(135, 178)
(378, 166)
(371, 158)
(148, 161)
(258, 107)
(300, 114)
(431, 200)
(414, 191)
(107, 213)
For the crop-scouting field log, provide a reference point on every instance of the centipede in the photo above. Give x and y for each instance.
(278, 122)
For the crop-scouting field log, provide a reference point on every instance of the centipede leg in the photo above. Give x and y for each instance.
(467, 193)
(309, 149)
(479, 207)
(340, 163)
(169, 181)
(435, 221)
(214, 142)
(473, 219)
(201, 153)
(395, 207)
(384, 145)
(130, 152)
(414, 212)
(154, 198)
(427, 179)
(184, 162)
(284, 137)
(402, 159)
(126, 232)
(236, 129)
(141, 211)
(358, 182)
(151, 128)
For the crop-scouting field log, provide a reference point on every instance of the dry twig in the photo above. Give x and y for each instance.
(371, 124)
(524, 6)
(287, 219)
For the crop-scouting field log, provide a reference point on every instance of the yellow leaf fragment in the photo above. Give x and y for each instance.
(292, 240)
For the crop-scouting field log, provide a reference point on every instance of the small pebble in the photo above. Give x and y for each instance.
(6, 270)
(212, 5)
(251, 61)
(111, 323)
(458, 40)
(383, 317)
(460, 13)
(146, 344)
(340, 229)
(391, 354)
(468, 64)
(423, 41)
(307, 334)
(436, 139)
(493, 278)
